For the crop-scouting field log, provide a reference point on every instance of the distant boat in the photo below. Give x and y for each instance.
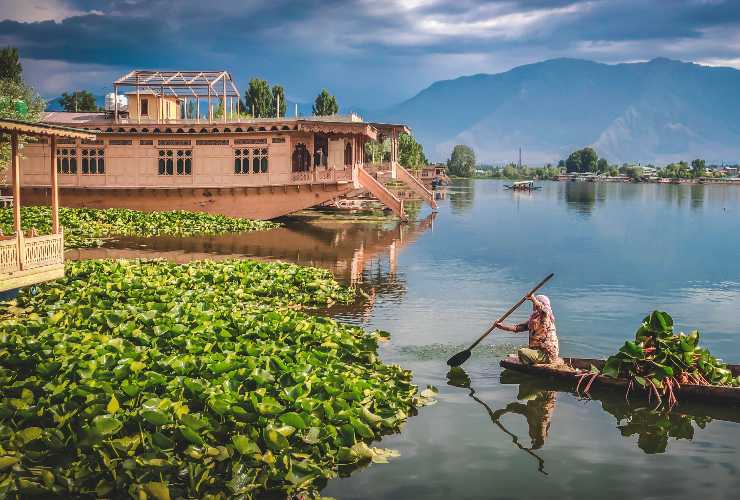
(522, 186)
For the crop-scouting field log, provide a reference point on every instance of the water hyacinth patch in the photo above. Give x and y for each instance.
(156, 380)
(87, 227)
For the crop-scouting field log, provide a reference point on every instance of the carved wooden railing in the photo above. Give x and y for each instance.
(301, 177)
(40, 251)
(321, 175)
(9, 255)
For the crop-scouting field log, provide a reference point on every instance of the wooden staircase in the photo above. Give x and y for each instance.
(416, 185)
(377, 189)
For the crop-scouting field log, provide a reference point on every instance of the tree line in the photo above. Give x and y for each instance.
(586, 160)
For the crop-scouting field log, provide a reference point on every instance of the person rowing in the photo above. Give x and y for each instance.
(543, 339)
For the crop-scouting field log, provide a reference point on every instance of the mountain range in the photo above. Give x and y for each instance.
(650, 112)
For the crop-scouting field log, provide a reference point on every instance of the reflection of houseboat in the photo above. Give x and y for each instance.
(182, 144)
(434, 176)
(522, 186)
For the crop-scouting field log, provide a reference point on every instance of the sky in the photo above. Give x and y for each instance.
(371, 54)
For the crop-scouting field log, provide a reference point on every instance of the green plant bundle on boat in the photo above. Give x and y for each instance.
(659, 361)
(85, 227)
(156, 380)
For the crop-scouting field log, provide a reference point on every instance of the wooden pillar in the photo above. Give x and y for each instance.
(138, 102)
(224, 102)
(54, 187)
(115, 104)
(197, 110)
(16, 176)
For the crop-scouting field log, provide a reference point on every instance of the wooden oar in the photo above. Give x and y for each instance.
(462, 356)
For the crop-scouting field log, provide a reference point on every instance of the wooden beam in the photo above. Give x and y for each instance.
(54, 187)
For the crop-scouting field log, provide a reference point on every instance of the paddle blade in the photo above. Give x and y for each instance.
(459, 358)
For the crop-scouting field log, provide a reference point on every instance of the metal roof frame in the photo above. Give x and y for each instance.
(180, 83)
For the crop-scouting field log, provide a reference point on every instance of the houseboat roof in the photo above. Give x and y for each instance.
(331, 124)
(42, 130)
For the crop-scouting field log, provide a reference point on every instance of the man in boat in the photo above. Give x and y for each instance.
(543, 339)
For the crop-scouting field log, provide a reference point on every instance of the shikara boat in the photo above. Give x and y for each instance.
(522, 186)
(574, 367)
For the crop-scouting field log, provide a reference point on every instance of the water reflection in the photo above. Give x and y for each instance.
(352, 251)
(461, 195)
(538, 411)
(654, 428)
(583, 196)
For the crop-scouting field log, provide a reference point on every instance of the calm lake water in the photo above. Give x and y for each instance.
(617, 251)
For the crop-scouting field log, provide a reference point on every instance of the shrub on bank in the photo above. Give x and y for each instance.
(85, 227)
(156, 380)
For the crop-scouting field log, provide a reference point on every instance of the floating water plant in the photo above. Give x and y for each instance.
(156, 380)
(86, 227)
(659, 361)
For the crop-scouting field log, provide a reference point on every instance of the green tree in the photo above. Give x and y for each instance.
(18, 101)
(411, 153)
(582, 160)
(10, 65)
(378, 151)
(698, 167)
(461, 162)
(278, 97)
(325, 104)
(602, 165)
(258, 99)
(78, 102)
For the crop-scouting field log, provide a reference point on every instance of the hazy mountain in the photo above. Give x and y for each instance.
(658, 111)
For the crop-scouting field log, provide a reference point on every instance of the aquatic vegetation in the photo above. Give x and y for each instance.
(156, 380)
(86, 227)
(659, 361)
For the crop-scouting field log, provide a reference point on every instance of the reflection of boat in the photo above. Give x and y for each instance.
(575, 367)
(538, 411)
(522, 186)
(653, 427)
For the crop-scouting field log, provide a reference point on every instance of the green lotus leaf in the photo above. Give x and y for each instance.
(293, 419)
(106, 425)
(274, 440)
(244, 445)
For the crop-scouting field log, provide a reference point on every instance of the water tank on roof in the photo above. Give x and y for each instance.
(110, 102)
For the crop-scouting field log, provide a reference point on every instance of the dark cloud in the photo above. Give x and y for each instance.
(369, 52)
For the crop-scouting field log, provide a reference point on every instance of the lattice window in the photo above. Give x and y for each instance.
(93, 161)
(179, 161)
(251, 160)
(259, 160)
(241, 161)
(67, 161)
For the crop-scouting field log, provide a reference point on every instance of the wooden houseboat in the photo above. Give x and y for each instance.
(182, 144)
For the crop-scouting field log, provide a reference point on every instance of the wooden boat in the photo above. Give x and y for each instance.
(575, 366)
(522, 186)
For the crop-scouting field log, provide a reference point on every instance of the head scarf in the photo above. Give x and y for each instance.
(542, 312)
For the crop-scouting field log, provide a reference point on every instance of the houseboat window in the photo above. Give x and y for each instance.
(145, 107)
(256, 161)
(348, 154)
(301, 158)
(321, 150)
(66, 161)
(93, 161)
(175, 161)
